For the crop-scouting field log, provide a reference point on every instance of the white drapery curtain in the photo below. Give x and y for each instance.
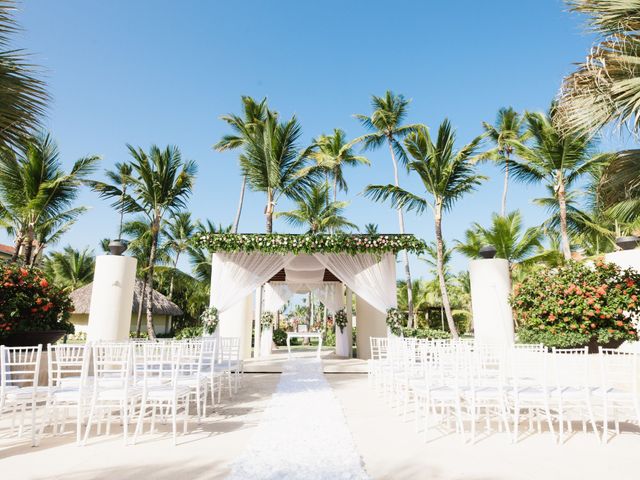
(371, 277)
(276, 295)
(304, 269)
(331, 296)
(236, 275)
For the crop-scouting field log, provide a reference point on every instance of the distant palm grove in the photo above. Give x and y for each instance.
(593, 195)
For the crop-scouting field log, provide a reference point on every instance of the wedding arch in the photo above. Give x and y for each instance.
(255, 272)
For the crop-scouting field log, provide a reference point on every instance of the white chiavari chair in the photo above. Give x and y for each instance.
(19, 371)
(230, 364)
(214, 375)
(619, 391)
(192, 373)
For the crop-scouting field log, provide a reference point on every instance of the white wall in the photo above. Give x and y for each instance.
(236, 322)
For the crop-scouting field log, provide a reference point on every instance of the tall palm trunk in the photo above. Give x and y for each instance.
(28, 249)
(17, 246)
(236, 222)
(405, 255)
(173, 274)
(562, 203)
(335, 188)
(149, 290)
(269, 211)
(505, 188)
(141, 306)
(440, 267)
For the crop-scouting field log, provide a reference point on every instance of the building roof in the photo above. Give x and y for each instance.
(6, 249)
(161, 305)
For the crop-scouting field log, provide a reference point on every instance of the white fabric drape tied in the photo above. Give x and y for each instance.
(371, 277)
(276, 295)
(236, 275)
(331, 296)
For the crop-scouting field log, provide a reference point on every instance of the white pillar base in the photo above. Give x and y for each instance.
(343, 342)
(490, 290)
(266, 341)
(111, 298)
(236, 322)
(370, 323)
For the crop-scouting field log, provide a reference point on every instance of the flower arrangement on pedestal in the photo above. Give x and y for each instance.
(577, 305)
(396, 320)
(30, 304)
(266, 320)
(340, 319)
(210, 319)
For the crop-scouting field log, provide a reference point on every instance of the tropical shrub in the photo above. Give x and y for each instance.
(28, 302)
(280, 337)
(430, 333)
(189, 332)
(577, 303)
(329, 338)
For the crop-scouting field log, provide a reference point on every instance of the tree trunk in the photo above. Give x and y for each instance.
(335, 188)
(141, 306)
(269, 212)
(17, 246)
(564, 235)
(173, 274)
(405, 255)
(152, 258)
(503, 208)
(28, 249)
(236, 222)
(440, 265)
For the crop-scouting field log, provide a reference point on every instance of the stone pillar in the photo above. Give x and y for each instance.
(111, 298)
(490, 290)
(344, 339)
(236, 322)
(369, 323)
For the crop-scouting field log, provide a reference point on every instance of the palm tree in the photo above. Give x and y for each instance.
(385, 126)
(200, 258)
(371, 229)
(504, 135)
(506, 235)
(274, 164)
(605, 88)
(36, 194)
(556, 159)
(22, 96)
(70, 268)
(179, 231)
(446, 174)
(243, 127)
(332, 154)
(160, 184)
(120, 177)
(317, 213)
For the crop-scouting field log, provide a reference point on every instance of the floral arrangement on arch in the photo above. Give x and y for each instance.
(28, 302)
(578, 304)
(309, 243)
(210, 319)
(266, 319)
(340, 319)
(396, 320)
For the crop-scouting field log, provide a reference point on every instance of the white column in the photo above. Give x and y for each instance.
(236, 322)
(370, 322)
(111, 298)
(490, 290)
(344, 339)
(625, 258)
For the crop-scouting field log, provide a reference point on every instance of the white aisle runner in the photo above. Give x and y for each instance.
(303, 433)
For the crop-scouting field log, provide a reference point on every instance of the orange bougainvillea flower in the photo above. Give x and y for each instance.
(44, 283)
(24, 272)
(619, 323)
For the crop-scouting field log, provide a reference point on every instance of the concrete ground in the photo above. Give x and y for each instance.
(390, 447)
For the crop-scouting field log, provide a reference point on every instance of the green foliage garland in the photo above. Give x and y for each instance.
(573, 305)
(309, 243)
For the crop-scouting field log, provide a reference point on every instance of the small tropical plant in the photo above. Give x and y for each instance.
(577, 304)
(210, 319)
(28, 302)
(430, 333)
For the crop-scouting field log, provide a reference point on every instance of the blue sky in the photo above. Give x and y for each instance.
(145, 72)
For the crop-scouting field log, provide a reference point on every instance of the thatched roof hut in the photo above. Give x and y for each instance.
(161, 305)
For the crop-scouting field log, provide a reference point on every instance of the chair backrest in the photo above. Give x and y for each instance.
(159, 363)
(209, 352)
(528, 367)
(112, 364)
(378, 347)
(620, 370)
(191, 356)
(571, 367)
(67, 362)
(229, 349)
(19, 366)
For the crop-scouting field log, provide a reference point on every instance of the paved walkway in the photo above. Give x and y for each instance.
(303, 433)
